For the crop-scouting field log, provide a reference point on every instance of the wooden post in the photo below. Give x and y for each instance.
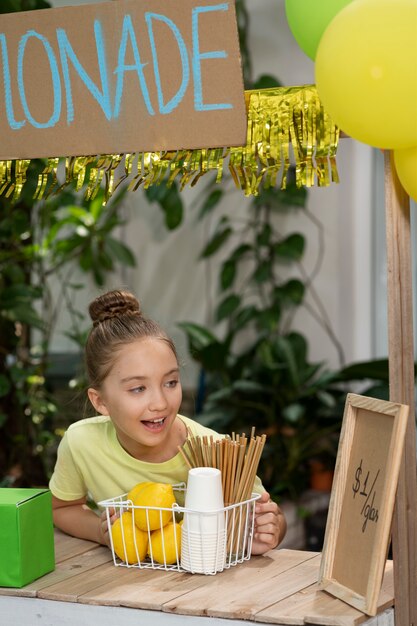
(401, 376)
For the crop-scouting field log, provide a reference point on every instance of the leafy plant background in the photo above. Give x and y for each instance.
(255, 369)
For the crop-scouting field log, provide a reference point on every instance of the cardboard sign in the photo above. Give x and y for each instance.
(362, 500)
(124, 76)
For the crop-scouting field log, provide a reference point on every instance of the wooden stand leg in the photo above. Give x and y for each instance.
(401, 375)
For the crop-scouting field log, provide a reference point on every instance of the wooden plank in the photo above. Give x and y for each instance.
(166, 587)
(292, 610)
(63, 571)
(401, 376)
(68, 590)
(149, 591)
(241, 591)
(245, 605)
(318, 607)
(66, 546)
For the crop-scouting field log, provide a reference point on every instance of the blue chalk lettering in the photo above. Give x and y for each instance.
(56, 81)
(66, 52)
(13, 123)
(122, 68)
(175, 100)
(198, 56)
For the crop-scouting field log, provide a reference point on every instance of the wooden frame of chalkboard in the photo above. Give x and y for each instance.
(362, 500)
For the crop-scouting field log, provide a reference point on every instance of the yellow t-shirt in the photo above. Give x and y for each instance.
(91, 462)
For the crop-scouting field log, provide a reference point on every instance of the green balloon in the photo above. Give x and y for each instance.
(308, 19)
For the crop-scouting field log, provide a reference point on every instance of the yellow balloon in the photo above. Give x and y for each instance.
(366, 72)
(406, 166)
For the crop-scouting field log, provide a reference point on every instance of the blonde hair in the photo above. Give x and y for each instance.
(117, 320)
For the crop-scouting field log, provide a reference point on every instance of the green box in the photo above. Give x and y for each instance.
(26, 536)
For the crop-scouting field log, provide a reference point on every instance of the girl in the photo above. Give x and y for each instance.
(135, 386)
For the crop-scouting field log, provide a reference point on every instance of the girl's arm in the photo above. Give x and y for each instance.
(75, 518)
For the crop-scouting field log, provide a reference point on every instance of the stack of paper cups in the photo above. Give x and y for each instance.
(203, 542)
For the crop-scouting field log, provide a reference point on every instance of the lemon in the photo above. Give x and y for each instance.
(153, 495)
(124, 533)
(170, 547)
(135, 490)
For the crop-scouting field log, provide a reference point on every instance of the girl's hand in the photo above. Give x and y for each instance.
(270, 525)
(104, 535)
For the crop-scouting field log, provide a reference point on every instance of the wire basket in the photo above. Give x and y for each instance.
(191, 541)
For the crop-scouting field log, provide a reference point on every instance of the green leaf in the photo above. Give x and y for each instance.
(286, 353)
(240, 251)
(266, 355)
(221, 394)
(95, 207)
(14, 273)
(98, 275)
(380, 391)
(66, 246)
(299, 346)
(326, 398)
(86, 259)
(293, 196)
(268, 319)
(21, 222)
(325, 379)
(26, 315)
(227, 274)
(227, 307)
(30, 5)
(272, 197)
(120, 251)
(266, 81)
(248, 386)
(244, 316)
(156, 193)
(264, 236)
(19, 294)
(104, 261)
(213, 356)
(169, 200)
(10, 6)
(198, 336)
(292, 291)
(293, 412)
(292, 247)
(216, 242)
(309, 372)
(211, 201)
(376, 369)
(173, 208)
(214, 419)
(263, 272)
(5, 386)
(82, 215)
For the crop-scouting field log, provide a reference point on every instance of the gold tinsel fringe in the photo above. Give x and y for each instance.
(285, 125)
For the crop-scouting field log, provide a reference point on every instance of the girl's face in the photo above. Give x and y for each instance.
(142, 395)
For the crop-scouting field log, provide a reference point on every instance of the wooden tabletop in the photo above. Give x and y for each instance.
(279, 587)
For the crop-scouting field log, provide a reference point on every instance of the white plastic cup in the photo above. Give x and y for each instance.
(204, 489)
(204, 498)
(203, 554)
(203, 531)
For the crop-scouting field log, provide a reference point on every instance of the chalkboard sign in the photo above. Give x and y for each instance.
(362, 500)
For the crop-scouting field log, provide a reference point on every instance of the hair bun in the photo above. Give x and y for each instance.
(113, 304)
